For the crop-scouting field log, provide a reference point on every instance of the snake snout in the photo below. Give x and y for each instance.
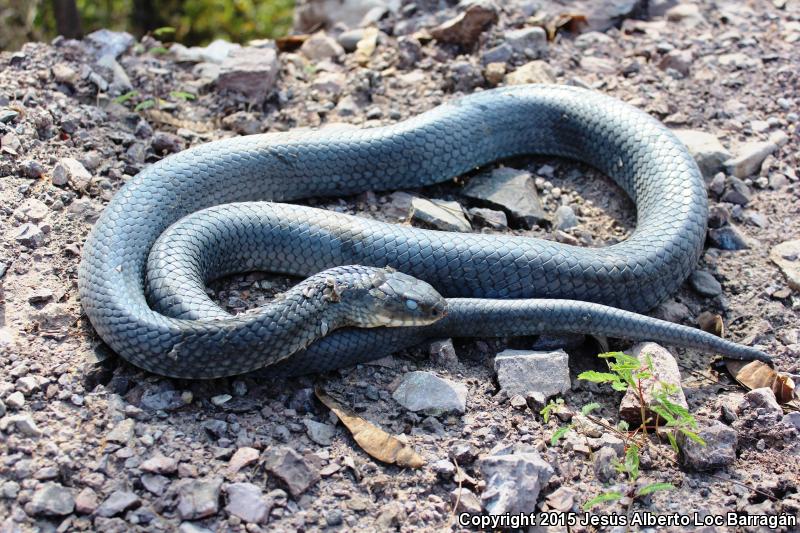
(402, 300)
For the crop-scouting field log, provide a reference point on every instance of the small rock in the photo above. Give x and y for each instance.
(70, 171)
(792, 419)
(763, 398)
(15, 400)
(51, 499)
(514, 478)
(63, 73)
(32, 169)
(7, 115)
(677, 60)
(533, 72)
(319, 47)
(118, 502)
(489, 217)
(687, 14)
(246, 501)
(86, 501)
(156, 484)
(562, 499)
(107, 42)
(444, 468)
(749, 158)
(787, 256)
(242, 122)
(728, 238)
(465, 501)
(166, 143)
(31, 210)
(465, 28)
(565, 218)
(198, 498)
(718, 216)
(719, 449)
(443, 353)
(705, 283)
(509, 189)
(291, 468)
(319, 432)
(29, 235)
(494, 73)
(539, 375)
(243, 457)
(122, 432)
(249, 71)
(604, 461)
(439, 214)
(530, 41)
(665, 369)
(737, 192)
(500, 54)
(160, 465)
(349, 39)
(22, 423)
(27, 385)
(465, 76)
(427, 393)
(706, 149)
(598, 65)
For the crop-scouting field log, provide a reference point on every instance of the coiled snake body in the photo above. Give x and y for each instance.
(495, 285)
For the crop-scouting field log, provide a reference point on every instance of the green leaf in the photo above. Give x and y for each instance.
(672, 441)
(560, 432)
(600, 498)
(589, 407)
(166, 31)
(548, 409)
(147, 104)
(623, 425)
(609, 355)
(619, 386)
(597, 377)
(654, 487)
(182, 95)
(632, 461)
(694, 436)
(663, 413)
(121, 99)
(158, 50)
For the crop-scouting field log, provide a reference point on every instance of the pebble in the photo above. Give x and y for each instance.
(29, 235)
(705, 284)
(15, 400)
(320, 47)
(787, 256)
(86, 501)
(31, 210)
(70, 171)
(565, 218)
(8, 115)
(291, 468)
(737, 192)
(465, 28)
(489, 217)
(107, 42)
(514, 476)
(708, 152)
(32, 169)
(533, 72)
(728, 238)
(349, 39)
(198, 498)
(160, 465)
(118, 502)
(243, 457)
(319, 432)
(678, 60)
(155, 483)
(749, 158)
(443, 353)
(251, 72)
(509, 189)
(719, 449)
(762, 398)
(537, 375)
(122, 433)
(247, 501)
(665, 367)
(465, 501)
(530, 41)
(439, 214)
(427, 393)
(22, 423)
(51, 499)
(604, 460)
(166, 143)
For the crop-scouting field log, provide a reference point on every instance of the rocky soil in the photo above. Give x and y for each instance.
(88, 442)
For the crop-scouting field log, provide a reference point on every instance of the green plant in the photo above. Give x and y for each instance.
(182, 95)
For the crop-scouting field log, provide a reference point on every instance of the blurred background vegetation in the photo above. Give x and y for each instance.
(195, 21)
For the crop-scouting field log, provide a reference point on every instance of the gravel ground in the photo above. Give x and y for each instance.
(88, 442)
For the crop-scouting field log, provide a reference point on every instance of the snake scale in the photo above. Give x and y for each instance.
(208, 211)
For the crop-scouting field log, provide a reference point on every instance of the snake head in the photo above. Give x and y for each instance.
(397, 299)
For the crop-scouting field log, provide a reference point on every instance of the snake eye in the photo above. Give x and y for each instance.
(434, 312)
(412, 304)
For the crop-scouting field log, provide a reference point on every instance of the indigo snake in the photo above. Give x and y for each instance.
(191, 217)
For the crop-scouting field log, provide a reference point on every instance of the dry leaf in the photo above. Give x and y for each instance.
(291, 42)
(552, 24)
(755, 375)
(711, 323)
(372, 439)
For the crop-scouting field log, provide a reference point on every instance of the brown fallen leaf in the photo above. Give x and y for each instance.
(552, 24)
(373, 440)
(711, 323)
(755, 375)
(291, 42)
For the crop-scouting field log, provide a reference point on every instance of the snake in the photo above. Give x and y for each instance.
(373, 287)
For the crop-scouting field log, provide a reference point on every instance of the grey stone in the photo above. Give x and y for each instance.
(465, 76)
(198, 498)
(251, 72)
(539, 375)
(706, 149)
(22, 423)
(188, 527)
(465, 501)
(443, 353)
(51, 499)
(246, 501)
(719, 449)
(604, 461)
(427, 393)
(155, 483)
(728, 238)
(530, 41)
(439, 214)
(27, 385)
(499, 54)
(7, 115)
(704, 283)
(291, 468)
(122, 433)
(536, 71)
(749, 158)
(166, 143)
(665, 369)
(121, 82)
(465, 28)
(312, 14)
(718, 216)
(787, 256)
(29, 235)
(763, 398)
(509, 189)
(565, 218)
(320, 46)
(792, 419)
(107, 42)
(15, 400)
(86, 501)
(677, 60)
(444, 468)
(31, 210)
(686, 14)
(160, 465)
(118, 502)
(244, 456)
(489, 217)
(514, 477)
(319, 432)
(349, 39)
(215, 52)
(70, 171)
(737, 192)
(161, 400)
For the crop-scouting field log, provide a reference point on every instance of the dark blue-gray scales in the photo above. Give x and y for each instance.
(487, 279)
